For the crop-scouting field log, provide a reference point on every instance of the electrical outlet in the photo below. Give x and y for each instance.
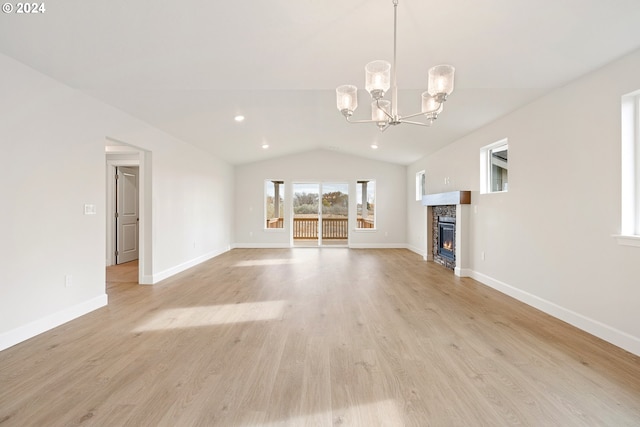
(68, 281)
(482, 255)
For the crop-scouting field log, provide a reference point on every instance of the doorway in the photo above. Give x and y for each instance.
(120, 154)
(320, 214)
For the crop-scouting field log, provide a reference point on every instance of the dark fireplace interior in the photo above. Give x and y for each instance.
(447, 237)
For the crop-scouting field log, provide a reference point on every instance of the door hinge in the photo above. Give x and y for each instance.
(116, 253)
(117, 215)
(117, 176)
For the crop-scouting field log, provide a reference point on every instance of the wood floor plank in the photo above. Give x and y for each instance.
(315, 337)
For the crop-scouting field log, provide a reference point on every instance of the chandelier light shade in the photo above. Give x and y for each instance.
(380, 77)
(347, 98)
(430, 107)
(379, 111)
(441, 80)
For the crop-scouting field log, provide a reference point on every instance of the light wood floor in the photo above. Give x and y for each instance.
(317, 337)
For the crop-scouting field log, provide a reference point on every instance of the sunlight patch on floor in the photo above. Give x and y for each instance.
(193, 317)
(383, 413)
(262, 262)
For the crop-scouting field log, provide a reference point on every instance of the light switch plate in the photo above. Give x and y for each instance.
(89, 209)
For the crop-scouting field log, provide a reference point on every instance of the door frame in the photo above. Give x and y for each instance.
(292, 241)
(112, 166)
(143, 161)
(348, 186)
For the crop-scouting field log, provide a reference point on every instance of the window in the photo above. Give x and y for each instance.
(366, 204)
(494, 170)
(274, 204)
(630, 186)
(421, 185)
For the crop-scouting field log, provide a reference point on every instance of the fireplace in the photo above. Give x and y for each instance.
(448, 229)
(444, 230)
(447, 237)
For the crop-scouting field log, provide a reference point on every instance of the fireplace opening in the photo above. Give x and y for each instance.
(447, 237)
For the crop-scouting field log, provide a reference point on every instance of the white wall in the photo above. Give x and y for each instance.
(53, 152)
(320, 166)
(548, 240)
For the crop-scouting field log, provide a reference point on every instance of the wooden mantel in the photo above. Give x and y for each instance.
(450, 198)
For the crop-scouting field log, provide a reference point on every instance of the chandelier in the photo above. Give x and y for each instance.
(381, 76)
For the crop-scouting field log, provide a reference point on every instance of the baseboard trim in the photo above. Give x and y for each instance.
(462, 272)
(146, 280)
(612, 335)
(157, 277)
(417, 250)
(30, 330)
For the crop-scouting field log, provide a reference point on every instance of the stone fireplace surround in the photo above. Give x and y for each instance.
(452, 204)
(438, 212)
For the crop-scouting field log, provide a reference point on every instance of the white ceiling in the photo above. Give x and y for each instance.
(188, 67)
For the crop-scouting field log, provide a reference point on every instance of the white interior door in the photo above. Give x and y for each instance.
(127, 214)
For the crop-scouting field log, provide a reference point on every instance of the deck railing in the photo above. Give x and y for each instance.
(275, 223)
(335, 228)
(307, 228)
(365, 223)
(332, 228)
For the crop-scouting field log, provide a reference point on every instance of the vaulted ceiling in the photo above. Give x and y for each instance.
(188, 67)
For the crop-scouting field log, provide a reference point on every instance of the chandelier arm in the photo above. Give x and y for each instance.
(360, 121)
(422, 113)
(409, 122)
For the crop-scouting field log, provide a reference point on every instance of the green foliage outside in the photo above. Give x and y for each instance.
(334, 203)
(271, 207)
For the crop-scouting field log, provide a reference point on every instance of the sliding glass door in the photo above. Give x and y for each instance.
(320, 214)
(335, 214)
(306, 214)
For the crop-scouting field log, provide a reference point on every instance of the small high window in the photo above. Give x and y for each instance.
(630, 114)
(494, 169)
(421, 185)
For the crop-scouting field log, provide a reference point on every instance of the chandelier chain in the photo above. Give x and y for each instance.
(394, 77)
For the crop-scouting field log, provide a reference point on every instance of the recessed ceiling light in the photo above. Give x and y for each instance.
(239, 118)
(265, 145)
(374, 146)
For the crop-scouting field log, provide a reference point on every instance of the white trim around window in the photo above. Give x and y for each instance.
(630, 171)
(494, 167)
